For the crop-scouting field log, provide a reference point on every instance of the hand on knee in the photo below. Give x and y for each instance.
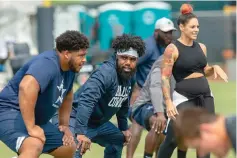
(158, 123)
(113, 150)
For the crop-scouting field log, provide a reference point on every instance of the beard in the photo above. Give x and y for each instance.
(123, 74)
(161, 41)
(72, 66)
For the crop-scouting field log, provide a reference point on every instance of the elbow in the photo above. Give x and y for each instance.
(69, 97)
(207, 72)
(25, 86)
(22, 87)
(163, 80)
(28, 86)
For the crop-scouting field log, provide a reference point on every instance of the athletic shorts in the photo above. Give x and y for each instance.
(142, 115)
(13, 132)
(72, 121)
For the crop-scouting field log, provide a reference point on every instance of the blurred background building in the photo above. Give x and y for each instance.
(29, 27)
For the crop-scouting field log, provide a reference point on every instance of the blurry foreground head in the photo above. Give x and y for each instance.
(199, 129)
(128, 49)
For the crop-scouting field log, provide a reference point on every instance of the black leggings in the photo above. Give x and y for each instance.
(167, 147)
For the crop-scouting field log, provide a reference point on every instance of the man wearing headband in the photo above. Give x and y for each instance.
(155, 46)
(105, 94)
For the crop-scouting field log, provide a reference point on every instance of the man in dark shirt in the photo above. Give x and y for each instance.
(155, 46)
(39, 89)
(206, 132)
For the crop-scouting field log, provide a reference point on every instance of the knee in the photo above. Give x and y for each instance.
(136, 129)
(152, 120)
(38, 147)
(114, 149)
(153, 132)
(64, 152)
(31, 146)
(70, 150)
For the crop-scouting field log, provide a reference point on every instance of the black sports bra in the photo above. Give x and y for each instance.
(191, 59)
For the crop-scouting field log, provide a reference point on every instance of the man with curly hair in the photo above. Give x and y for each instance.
(40, 88)
(105, 94)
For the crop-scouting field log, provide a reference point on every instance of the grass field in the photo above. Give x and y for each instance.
(225, 102)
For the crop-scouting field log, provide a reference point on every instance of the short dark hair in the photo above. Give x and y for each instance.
(187, 123)
(72, 41)
(126, 41)
(186, 14)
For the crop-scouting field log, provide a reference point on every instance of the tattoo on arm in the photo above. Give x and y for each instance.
(166, 70)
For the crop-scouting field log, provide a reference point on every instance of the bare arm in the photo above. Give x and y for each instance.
(208, 70)
(28, 94)
(65, 109)
(166, 70)
(214, 69)
(170, 55)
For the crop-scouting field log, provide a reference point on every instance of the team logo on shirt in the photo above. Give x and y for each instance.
(120, 96)
(59, 101)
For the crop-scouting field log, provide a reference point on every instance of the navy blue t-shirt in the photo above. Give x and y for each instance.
(54, 86)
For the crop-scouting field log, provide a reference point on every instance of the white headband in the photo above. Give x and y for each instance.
(130, 52)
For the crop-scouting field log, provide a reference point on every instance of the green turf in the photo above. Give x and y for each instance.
(225, 102)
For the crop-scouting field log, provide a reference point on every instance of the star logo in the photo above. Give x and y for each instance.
(60, 97)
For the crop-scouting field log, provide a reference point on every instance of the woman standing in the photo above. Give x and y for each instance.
(186, 60)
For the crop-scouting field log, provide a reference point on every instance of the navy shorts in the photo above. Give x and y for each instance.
(72, 121)
(142, 115)
(13, 132)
